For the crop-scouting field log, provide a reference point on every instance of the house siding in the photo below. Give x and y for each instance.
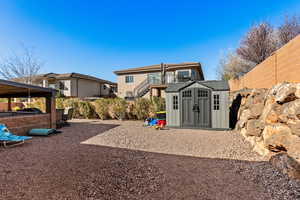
(87, 88)
(124, 87)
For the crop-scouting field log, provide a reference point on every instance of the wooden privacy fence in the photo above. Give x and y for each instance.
(282, 65)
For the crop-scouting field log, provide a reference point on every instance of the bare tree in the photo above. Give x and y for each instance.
(232, 66)
(258, 44)
(21, 68)
(288, 30)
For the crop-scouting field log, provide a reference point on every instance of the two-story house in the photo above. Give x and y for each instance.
(153, 80)
(75, 85)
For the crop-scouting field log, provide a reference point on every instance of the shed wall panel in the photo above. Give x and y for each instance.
(173, 116)
(220, 118)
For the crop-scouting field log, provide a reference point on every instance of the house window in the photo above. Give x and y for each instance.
(104, 87)
(216, 102)
(62, 85)
(175, 102)
(193, 75)
(52, 85)
(128, 79)
(183, 76)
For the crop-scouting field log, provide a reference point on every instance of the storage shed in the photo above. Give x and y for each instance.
(198, 104)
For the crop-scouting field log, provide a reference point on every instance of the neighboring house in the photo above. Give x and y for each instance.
(76, 85)
(153, 80)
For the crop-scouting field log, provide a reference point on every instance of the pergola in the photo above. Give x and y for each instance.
(10, 89)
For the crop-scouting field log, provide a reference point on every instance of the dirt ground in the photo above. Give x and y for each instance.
(90, 160)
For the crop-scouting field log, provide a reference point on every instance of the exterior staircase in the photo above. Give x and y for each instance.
(142, 89)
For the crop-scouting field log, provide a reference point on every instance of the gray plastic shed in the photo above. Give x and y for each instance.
(198, 104)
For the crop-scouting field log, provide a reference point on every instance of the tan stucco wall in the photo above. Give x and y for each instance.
(283, 65)
(124, 87)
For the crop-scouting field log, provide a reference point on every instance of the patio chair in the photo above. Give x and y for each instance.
(8, 139)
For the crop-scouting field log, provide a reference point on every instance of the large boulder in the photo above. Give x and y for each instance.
(294, 125)
(254, 128)
(268, 106)
(273, 115)
(256, 110)
(243, 118)
(286, 164)
(293, 148)
(277, 137)
(297, 93)
(284, 92)
(290, 111)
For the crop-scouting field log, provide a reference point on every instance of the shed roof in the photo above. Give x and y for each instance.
(215, 85)
(14, 89)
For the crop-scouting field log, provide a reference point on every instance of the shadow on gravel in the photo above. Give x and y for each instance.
(59, 167)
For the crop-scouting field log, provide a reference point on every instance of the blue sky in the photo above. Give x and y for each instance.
(98, 37)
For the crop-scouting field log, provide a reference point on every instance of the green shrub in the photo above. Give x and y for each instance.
(118, 108)
(102, 108)
(60, 103)
(129, 110)
(85, 109)
(73, 103)
(158, 104)
(142, 108)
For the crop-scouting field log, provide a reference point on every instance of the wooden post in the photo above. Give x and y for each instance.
(9, 108)
(158, 92)
(51, 109)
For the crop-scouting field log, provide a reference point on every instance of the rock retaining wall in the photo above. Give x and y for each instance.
(270, 120)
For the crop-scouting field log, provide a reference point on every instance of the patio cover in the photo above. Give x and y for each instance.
(10, 89)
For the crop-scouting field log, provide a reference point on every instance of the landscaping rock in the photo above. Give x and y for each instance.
(290, 111)
(256, 110)
(297, 93)
(286, 164)
(254, 128)
(295, 127)
(285, 93)
(245, 116)
(268, 106)
(270, 121)
(273, 115)
(277, 137)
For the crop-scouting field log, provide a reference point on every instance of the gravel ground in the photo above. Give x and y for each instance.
(122, 160)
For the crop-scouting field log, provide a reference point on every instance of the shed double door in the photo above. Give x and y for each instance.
(196, 111)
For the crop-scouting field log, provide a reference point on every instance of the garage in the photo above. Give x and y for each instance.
(198, 104)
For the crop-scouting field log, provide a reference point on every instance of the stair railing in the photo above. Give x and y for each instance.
(143, 86)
